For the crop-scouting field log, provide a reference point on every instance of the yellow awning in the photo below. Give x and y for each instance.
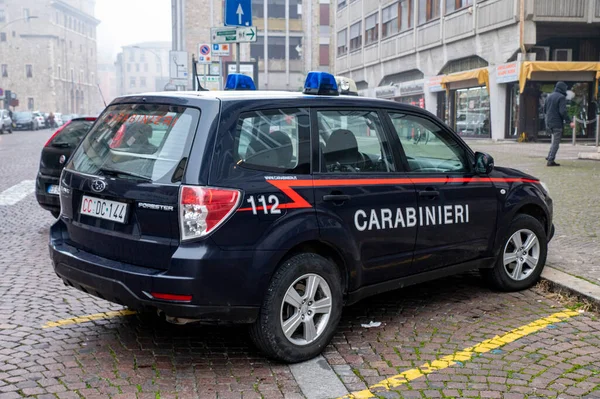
(482, 76)
(529, 67)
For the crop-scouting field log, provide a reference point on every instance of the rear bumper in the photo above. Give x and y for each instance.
(225, 286)
(50, 202)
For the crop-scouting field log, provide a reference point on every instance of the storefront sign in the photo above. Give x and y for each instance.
(434, 84)
(387, 92)
(411, 88)
(506, 73)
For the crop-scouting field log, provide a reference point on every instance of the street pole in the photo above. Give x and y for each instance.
(237, 57)
(221, 73)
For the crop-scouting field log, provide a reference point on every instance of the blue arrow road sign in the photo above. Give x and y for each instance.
(238, 12)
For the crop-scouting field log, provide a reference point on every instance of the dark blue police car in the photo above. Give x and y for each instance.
(277, 209)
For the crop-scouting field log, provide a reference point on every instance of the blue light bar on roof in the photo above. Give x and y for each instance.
(321, 83)
(237, 81)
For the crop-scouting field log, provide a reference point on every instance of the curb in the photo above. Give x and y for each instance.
(563, 282)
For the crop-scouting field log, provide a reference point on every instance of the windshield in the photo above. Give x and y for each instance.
(147, 141)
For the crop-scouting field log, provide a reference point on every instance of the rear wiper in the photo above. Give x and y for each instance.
(117, 173)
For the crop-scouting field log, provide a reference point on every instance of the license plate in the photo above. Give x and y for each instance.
(103, 209)
(53, 189)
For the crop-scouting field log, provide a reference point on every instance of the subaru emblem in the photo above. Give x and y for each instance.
(62, 159)
(98, 185)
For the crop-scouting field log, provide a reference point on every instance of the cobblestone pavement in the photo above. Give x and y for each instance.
(144, 357)
(575, 189)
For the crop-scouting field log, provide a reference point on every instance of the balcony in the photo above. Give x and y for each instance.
(560, 10)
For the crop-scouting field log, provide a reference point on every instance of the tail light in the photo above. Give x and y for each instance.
(203, 209)
(60, 129)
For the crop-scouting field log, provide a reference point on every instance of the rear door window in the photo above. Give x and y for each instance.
(143, 141)
(274, 140)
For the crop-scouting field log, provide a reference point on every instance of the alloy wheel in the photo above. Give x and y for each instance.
(521, 254)
(306, 309)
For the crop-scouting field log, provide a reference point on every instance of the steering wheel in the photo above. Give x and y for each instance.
(338, 167)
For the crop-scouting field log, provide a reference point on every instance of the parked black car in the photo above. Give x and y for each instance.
(55, 154)
(24, 120)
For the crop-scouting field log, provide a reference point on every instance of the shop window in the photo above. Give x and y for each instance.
(453, 5)
(437, 151)
(472, 116)
(342, 42)
(372, 28)
(428, 10)
(356, 36)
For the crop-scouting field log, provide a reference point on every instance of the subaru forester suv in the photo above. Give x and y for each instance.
(276, 209)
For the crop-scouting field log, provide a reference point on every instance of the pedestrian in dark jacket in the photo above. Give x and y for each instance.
(556, 118)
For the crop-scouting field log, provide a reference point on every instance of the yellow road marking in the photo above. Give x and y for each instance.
(464, 355)
(88, 318)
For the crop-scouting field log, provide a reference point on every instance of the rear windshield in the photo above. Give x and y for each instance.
(142, 141)
(72, 133)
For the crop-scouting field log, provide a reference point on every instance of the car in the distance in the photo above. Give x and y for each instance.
(24, 120)
(40, 120)
(55, 154)
(6, 123)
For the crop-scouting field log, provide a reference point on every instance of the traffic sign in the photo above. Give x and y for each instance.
(221, 50)
(246, 35)
(223, 35)
(204, 53)
(238, 12)
(178, 66)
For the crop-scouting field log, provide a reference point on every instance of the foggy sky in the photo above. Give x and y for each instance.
(126, 22)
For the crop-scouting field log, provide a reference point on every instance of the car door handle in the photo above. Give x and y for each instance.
(336, 198)
(429, 194)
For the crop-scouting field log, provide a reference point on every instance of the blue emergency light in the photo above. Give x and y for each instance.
(321, 84)
(237, 81)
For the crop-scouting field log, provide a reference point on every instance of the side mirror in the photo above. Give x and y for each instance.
(484, 163)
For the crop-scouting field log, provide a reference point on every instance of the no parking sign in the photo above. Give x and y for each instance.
(204, 53)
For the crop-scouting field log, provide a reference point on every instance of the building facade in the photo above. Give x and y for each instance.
(142, 68)
(293, 38)
(483, 66)
(48, 55)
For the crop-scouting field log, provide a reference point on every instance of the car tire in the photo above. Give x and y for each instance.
(56, 214)
(519, 267)
(294, 274)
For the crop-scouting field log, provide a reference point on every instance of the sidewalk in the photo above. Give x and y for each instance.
(575, 189)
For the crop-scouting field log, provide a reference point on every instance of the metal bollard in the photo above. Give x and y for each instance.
(574, 131)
